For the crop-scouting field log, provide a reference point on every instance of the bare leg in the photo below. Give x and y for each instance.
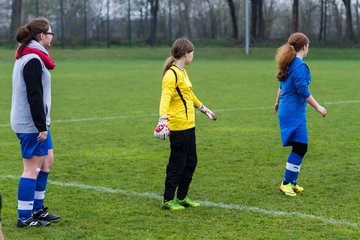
(32, 166)
(48, 161)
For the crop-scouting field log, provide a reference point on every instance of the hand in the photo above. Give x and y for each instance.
(42, 136)
(208, 112)
(321, 110)
(276, 107)
(162, 130)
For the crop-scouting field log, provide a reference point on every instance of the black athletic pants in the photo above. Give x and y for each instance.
(182, 163)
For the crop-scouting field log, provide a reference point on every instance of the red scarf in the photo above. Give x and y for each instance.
(49, 63)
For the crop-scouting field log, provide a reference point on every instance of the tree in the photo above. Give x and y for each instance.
(140, 6)
(235, 33)
(323, 20)
(16, 9)
(183, 12)
(213, 19)
(154, 8)
(295, 16)
(357, 20)
(261, 21)
(269, 16)
(337, 17)
(187, 16)
(349, 34)
(257, 21)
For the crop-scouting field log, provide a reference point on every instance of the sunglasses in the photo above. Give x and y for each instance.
(50, 33)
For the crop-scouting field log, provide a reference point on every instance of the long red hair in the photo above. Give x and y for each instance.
(287, 53)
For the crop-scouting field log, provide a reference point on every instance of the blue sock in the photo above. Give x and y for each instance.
(26, 193)
(40, 190)
(292, 168)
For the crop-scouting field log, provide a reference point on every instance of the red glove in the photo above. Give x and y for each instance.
(162, 130)
(207, 112)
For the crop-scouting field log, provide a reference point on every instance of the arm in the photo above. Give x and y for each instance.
(161, 130)
(168, 89)
(196, 101)
(302, 80)
(34, 90)
(202, 107)
(276, 107)
(311, 100)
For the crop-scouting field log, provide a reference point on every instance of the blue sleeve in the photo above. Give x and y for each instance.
(302, 80)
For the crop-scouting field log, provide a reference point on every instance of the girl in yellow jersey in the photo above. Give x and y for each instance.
(177, 121)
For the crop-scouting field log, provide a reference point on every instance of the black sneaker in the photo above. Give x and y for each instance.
(31, 222)
(44, 215)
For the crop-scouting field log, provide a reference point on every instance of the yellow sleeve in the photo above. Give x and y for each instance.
(168, 89)
(196, 101)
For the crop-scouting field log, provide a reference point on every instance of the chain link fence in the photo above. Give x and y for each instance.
(142, 22)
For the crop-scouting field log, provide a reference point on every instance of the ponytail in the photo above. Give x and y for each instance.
(284, 56)
(287, 53)
(31, 31)
(23, 36)
(168, 63)
(179, 48)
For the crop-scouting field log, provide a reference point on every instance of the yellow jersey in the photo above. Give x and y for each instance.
(178, 100)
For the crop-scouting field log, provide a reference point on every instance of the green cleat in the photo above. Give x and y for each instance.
(187, 202)
(288, 190)
(298, 189)
(172, 205)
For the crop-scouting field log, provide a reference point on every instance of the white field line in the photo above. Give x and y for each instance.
(204, 203)
(154, 114)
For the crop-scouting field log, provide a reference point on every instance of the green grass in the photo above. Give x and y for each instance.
(241, 160)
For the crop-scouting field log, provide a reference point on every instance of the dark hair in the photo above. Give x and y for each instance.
(31, 31)
(287, 53)
(178, 50)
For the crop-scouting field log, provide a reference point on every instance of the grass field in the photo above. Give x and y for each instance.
(109, 171)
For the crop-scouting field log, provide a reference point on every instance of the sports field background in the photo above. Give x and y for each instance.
(109, 170)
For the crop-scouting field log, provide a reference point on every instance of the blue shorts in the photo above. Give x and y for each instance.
(293, 130)
(30, 146)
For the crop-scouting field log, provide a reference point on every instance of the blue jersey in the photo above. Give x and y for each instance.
(294, 90)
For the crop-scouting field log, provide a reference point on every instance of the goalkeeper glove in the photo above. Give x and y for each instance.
(162, 131)
(208, 112)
